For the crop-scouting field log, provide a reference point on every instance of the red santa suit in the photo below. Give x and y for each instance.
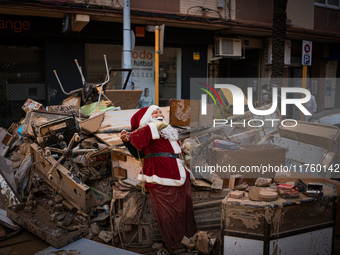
(167, 180)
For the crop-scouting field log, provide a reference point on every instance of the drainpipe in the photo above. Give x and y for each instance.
(126, 39)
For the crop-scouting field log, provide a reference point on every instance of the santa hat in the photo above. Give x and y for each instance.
(142, 117)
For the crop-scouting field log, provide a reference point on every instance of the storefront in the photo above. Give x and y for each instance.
(34, 47)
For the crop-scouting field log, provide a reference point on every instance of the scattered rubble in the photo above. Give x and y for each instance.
(65, 176)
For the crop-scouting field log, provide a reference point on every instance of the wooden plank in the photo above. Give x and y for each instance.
(68, 109)
(43, 228)
(79, 22)
(201, 184)
(222, 130)
(91, 125)
(5, 141)
(119, 173)
(109, 139)
(7, 196)
(126, 99)
(7, 222)
(116, 155)
(115, 121)
(247, 137)
(65, 183)
(6, 169)
(73, 101)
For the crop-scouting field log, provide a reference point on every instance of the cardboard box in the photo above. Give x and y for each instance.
(235, 180)
(32, 105)
(119, 173)
(248, 157)
(185, 112)
(126, 99)
(122, 159)
(180, 112)
(324, 136)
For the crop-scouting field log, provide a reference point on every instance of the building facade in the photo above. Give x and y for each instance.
(214, 38)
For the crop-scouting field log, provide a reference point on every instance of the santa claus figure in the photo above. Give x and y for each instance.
(165, 176)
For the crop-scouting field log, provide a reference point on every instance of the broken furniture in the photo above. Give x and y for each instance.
(114, 122)
(66, 183)
(247, 157)
(89, 97)
(324, 136)
(124, 165)
(89, 91)
(7, 227)
(132, 219)
(301, 155)
(40, 118)
(208, 208)
(7, 195)
(59, 136)
(58, 132)
(86, 246)
(37, 218)
(6, 140)
(271, 122)
(303, 225)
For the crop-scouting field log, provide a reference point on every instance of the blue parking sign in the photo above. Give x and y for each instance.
(306, 60)
(306, 53)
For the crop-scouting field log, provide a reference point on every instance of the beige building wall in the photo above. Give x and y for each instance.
(192, 7)
(301, 13)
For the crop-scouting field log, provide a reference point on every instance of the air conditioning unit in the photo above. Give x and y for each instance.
(268, 51)
(228, 47)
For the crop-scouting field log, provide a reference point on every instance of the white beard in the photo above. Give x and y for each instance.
(169, 132)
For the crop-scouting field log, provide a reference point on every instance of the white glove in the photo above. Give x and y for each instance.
(161, 125)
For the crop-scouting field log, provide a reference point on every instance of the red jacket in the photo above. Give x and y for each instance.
(158, 170)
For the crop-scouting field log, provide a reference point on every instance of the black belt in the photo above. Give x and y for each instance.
(163, 154)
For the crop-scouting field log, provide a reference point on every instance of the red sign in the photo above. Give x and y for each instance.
(140, 31)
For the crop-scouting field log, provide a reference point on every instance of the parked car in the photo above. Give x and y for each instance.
(328, 117)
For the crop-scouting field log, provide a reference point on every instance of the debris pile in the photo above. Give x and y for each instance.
(65, 176)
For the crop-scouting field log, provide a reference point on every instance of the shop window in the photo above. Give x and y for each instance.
(22, 76)
(142, 62)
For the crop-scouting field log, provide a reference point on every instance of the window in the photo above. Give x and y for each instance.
(143, 69)
(22, 76)
(327, 3)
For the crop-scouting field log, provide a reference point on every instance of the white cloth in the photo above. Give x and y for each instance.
(311, 107)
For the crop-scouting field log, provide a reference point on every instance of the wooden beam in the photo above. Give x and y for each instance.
(79, 22)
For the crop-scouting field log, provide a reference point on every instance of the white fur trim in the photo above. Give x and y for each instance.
(147, 115)
(154, 131)
(168, 181)
(175, 146)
